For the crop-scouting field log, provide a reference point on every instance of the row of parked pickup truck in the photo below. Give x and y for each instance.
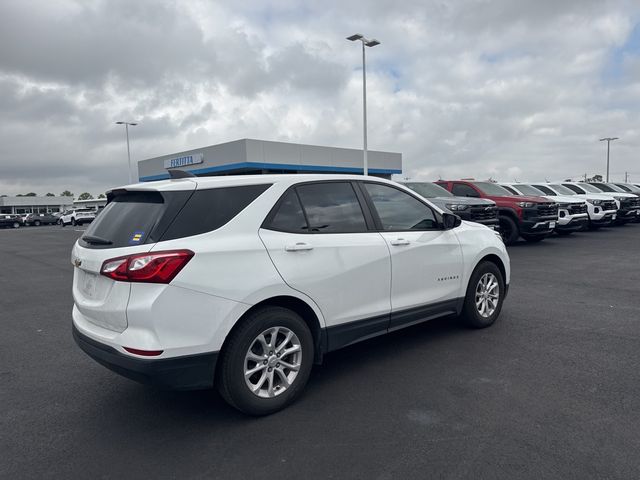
(534, 211)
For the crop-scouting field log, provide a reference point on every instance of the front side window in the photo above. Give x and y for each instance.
(462, 190)
(577, 189)
(398, 210)
(604, 187)
(490, 188)
(332, 207)
(545, 190)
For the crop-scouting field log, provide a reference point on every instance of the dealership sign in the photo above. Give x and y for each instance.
(184, 160)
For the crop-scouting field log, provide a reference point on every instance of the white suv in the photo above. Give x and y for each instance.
(249, 280)
(79, 216)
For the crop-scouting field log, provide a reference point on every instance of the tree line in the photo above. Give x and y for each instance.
(66, 193)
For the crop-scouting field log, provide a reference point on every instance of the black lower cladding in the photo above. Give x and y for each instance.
(188, 372)
(339, 336)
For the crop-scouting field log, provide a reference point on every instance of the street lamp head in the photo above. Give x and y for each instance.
(119, 123)
(609, 139)
(355, 37)
(372, 43)
(132, 124)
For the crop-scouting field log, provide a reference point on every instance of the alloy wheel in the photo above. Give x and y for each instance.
(487, 295)
(272, 362)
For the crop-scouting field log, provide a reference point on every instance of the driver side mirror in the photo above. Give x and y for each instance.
(449, 221)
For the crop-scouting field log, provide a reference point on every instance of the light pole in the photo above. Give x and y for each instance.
(365, 43)
(126, 127)
(608, 140)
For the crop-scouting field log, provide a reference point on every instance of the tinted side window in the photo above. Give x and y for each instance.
(289, 217)
(210, 209)
(332, 207)
(462, 190)
(511, 190)
(573, 187)
(398, 210)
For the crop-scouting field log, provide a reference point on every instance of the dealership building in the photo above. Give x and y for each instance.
(35, 204)
(250, 157)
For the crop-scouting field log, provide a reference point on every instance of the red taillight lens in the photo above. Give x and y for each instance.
(143, 353)
(152, 267)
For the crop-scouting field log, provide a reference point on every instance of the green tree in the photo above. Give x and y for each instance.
(85, 196)
(102, 195)
(30, 194)
(66, 193)
(49, 195)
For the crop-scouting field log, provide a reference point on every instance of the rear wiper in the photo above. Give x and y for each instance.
(96, 240)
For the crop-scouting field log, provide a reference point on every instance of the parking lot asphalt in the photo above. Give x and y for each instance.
(552, 390)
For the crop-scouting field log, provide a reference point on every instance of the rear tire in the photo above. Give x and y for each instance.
(253, 348)
(481, 305)
(508, 230)
(73, 222)
(37, 223)
(15, 225)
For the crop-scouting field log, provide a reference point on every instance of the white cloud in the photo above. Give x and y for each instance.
(462, 88)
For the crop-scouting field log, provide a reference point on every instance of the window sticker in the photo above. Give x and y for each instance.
(136, 238)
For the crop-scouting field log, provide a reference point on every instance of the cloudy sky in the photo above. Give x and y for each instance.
(501, 88)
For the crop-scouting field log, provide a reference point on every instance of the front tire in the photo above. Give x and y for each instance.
(266, 361)
(37, 223)
(15, 225)
(73, 222)
(508, 230)
(484, 297)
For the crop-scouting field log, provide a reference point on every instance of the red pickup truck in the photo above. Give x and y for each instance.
(532, 218)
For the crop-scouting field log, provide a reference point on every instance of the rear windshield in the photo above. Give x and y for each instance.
(136, 218)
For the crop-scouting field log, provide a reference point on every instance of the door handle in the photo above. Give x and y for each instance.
(399, 242)
(298, 247)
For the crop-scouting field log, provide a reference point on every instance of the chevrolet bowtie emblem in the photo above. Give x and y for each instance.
(77, 262)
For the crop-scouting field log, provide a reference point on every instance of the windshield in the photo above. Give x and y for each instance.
(604, 187)
(428, 189)
(628, 188)
(489, 188)
(589, 188)
(545, 189)
(528, 190)
(562, 190)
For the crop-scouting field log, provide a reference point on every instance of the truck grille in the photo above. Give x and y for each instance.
(609, 205)
(575, 209)
(483, 213)
(547, 210)
(630, 203)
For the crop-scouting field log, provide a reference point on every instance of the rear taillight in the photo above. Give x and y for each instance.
(153, 267)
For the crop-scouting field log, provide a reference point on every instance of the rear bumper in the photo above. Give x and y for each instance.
(188, 372)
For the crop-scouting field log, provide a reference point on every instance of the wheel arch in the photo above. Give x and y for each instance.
(297, 305)
(495, 259)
